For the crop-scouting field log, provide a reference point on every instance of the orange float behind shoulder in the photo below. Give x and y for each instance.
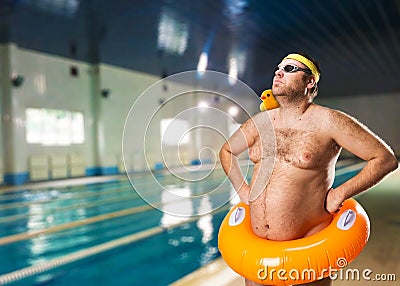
(296, 261)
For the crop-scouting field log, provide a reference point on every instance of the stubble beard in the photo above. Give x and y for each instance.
(290, 94)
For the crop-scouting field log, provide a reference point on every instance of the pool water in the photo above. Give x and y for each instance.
(76, 218)
(121, 239)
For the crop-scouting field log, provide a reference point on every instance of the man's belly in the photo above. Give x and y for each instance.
(292, 205)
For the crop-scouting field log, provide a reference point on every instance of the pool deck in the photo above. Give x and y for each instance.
(215, 273)
(380, 258)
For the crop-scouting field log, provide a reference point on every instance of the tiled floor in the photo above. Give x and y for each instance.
(380, 258)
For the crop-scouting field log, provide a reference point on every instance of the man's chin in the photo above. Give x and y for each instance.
(276, 91)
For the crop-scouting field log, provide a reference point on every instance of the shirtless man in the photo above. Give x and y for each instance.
(298, 200)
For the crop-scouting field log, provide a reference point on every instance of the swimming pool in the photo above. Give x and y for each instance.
(93, 234)
(106, 234)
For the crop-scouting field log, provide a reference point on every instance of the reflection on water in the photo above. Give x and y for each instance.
(175, 200)
(44, 217)
(205, 225)
(205, 222)
(36, 221)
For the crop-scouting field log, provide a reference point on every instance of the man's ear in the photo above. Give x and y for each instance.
(311, 82)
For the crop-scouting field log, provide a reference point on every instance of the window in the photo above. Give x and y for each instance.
(54, 127)
(174, 131)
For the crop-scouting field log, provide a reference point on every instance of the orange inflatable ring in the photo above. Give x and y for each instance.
(296, 261)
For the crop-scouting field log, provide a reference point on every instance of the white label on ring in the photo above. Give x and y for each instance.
(346, 220)
(237, 216)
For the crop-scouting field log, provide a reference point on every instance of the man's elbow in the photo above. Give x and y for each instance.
(223, 152)
(391, 163)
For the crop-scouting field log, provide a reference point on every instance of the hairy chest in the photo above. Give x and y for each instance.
(300, 148)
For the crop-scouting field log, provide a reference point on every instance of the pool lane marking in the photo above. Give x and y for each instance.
(78, 255)
(57, 228)
(75, 188)
(65, 190)
(31, 234)
(49, 211)
(91, 193)
(65, 208)
(46, 200)
(74, 194)
(84, 253)
(67, 182)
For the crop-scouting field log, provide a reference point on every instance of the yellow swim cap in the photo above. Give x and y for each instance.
(307, 63)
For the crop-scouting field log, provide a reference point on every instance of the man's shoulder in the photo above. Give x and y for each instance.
(327, 111)
(257, 121)
(260, 116)
(321, 108)
(333, 117)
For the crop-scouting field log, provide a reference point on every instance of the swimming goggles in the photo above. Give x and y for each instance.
(290, 68)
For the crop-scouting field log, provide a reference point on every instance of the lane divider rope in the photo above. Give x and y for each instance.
(56, 228)
(75, 256)
(119, 191)
(30, 234)
(84, 253)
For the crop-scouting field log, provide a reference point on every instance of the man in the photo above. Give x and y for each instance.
(298, 200)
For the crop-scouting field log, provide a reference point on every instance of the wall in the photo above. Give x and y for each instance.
(104, 94)
(208, 127)
(124, 88)
(379, 112)
(47, 84)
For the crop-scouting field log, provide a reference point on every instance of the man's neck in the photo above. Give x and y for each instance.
(293, 110)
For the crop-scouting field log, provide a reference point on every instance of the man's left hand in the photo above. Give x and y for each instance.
(332, 201)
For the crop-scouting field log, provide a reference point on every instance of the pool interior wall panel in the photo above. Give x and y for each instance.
(49, 84)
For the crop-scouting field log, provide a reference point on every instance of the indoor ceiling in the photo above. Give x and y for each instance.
(357, 42)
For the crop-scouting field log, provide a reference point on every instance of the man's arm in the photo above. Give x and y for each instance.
(241, 140)
(359, 140)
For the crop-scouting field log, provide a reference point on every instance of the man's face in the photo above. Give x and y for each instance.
(290, 84)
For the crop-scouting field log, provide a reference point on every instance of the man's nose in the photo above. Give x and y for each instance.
(279, 73)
